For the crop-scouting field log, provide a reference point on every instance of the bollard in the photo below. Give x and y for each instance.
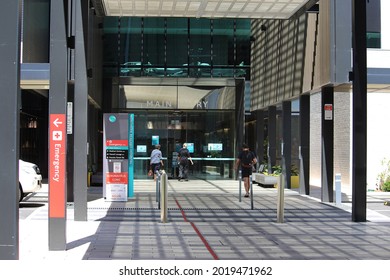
(280, 207)
(164, 197)
(239, 185)
(251, 190)
(337, 181)
(158, 178)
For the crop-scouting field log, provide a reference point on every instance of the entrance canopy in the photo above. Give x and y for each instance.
(266, 9)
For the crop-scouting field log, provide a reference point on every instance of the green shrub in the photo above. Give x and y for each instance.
(386, 186)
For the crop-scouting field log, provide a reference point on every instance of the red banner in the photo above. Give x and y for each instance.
(117, 178)
(117, 143)
(57, 165)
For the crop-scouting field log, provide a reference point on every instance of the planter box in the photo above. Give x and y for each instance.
(265, 179)
(268, 180)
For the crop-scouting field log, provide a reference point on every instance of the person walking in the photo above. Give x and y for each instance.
(183, 159)
(246, 159)
(156, 160)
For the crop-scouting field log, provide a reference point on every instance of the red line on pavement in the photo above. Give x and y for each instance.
(208, 247)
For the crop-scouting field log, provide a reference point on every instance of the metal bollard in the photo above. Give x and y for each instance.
(337, 181)
(239, 185)
(251, 190)
(280, 207)
(164, 197)
(158, 178)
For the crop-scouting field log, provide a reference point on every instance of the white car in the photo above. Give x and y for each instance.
(30, 178)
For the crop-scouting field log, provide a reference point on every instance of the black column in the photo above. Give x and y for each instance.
(9, 126)
(271, 137)
(359, 118)
(304, 151)
(260, 135)
(240, 113)
(327, 144)
(286, 153)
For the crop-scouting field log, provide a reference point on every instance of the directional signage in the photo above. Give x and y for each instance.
(57, 166)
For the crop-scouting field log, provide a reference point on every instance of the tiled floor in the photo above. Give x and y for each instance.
(206, 220)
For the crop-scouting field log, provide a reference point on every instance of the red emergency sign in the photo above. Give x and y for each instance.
(57, 165)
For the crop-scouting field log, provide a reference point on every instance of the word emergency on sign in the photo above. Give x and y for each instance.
(57, 165)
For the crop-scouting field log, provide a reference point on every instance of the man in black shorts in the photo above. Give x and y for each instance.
(246, 159)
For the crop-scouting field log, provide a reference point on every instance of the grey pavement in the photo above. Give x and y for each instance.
(207, 221)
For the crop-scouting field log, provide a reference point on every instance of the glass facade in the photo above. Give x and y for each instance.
(164, 67)
(176, 47)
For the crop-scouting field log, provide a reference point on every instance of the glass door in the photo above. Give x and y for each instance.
(209, 136)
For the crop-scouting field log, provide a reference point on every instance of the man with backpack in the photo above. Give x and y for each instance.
(246, 159)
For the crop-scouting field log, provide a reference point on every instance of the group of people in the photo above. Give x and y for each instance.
(246, 160)
(184, 159)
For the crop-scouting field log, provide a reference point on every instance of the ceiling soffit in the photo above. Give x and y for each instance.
(252, 9)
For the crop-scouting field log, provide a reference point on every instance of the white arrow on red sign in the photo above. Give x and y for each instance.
(56, 122)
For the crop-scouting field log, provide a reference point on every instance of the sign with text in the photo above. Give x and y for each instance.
(328, 108)
(118, 156)
(57, 165)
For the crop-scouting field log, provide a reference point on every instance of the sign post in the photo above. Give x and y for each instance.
(58, 93)
(118, 154)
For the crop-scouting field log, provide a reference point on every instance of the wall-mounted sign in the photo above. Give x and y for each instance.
(328, 112)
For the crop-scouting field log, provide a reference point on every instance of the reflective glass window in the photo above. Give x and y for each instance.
(177, 47)
(130, 46)
(200, 48)
(243, 48)
(110, 46)
(154, 46)
(223, 48)
(373, 24)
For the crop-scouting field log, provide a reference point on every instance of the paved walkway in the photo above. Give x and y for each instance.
(206, 221)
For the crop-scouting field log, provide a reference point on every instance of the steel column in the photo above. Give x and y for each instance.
(327, 144)
(286, 152)
(304, 150)
(359, 118)
(57, 105)
(240, 113)
(10, 13)
(81, 115)
(271, 137)
(260, 135)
